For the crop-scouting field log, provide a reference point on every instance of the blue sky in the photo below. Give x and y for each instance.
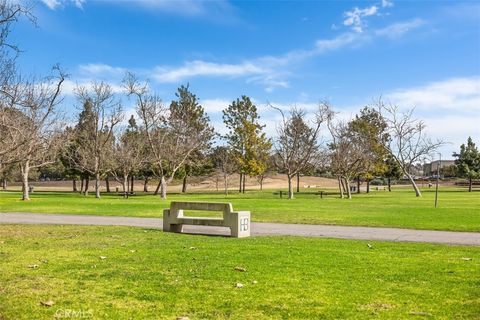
(412, 53)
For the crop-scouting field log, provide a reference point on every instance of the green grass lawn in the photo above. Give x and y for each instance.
(151, 274)
(458, 210)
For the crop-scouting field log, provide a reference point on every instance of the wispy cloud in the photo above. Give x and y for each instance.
(387, 3)
(55, 4)
(177, 7)
(203, 68)
(269, 71)
(184, 7)
(100, 69)
(459, 94)
(355, 17)
(399, 29)
(69, 86)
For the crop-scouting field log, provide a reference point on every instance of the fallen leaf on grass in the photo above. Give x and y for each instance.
(421, 313)
(48, 303)
(377, 306)
(369, 246)
(132, 251)
(466, 259)
(238, 285)
(254, 281)
(192, 248)
(33, 266)
(2, 242)
(241, 269)
(103, 257)
(183, 318)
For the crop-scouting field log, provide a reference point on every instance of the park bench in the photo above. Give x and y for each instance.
(237, 221)
(280, 193)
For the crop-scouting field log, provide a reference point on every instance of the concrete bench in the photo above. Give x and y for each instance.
(237, 221)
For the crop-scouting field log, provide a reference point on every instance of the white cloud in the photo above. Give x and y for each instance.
(355, 17)
(69, 86)
(215, 105)
(399, 29)
(387, 3)
(179, 7)
(325, 45)
(100, 69)
(461, 95)
(51, 4)
(450, 109)
(204, 68)
(54, 4)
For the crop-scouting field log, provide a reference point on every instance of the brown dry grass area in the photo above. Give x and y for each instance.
(278, 181)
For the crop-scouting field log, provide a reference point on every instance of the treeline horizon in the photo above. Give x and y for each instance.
(168, 141)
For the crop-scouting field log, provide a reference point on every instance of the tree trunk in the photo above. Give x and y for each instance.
(125, 186)
(261, 183)
(87, 182)
(240, 186)
(25, 168)
(132, 183)
(358, 184)
(4, 183)
(225, 180)
(368, 185)
(107, 184)
(414, 185)
(158, 188)
(470, 184)
(74, 185)
(298, 182)
(163, 188)
(340, 187)
(216, 182)
(290, 187)
(243, 187)
(97, 185)
(389, 185)
(347, 185)
(184, 184)
(81, 184)
(145, 185)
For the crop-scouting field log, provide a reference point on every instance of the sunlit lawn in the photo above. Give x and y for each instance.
(458, 209)
(148, 274)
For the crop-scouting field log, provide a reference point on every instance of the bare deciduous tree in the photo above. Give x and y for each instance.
(347, 156)
(408, 143)
(129, 154)
(297, 144)
(93, 146)
(36, 122)
(225, 162)
(10, 137)
(173, 133)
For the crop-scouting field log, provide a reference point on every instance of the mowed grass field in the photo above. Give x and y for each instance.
(134, 273)
(457, 209)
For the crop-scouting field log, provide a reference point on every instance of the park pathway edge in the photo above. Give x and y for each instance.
(259, 228)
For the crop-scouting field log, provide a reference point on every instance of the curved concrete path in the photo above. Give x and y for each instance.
(260, 228)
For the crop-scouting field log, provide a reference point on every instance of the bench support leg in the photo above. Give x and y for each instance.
(240, 224)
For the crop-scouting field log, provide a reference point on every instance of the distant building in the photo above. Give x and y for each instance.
(430, 169)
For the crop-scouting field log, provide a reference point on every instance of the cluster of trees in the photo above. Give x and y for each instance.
(177, 140)
(467, 164)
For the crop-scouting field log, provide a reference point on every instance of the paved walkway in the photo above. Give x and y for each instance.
(260, 228)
